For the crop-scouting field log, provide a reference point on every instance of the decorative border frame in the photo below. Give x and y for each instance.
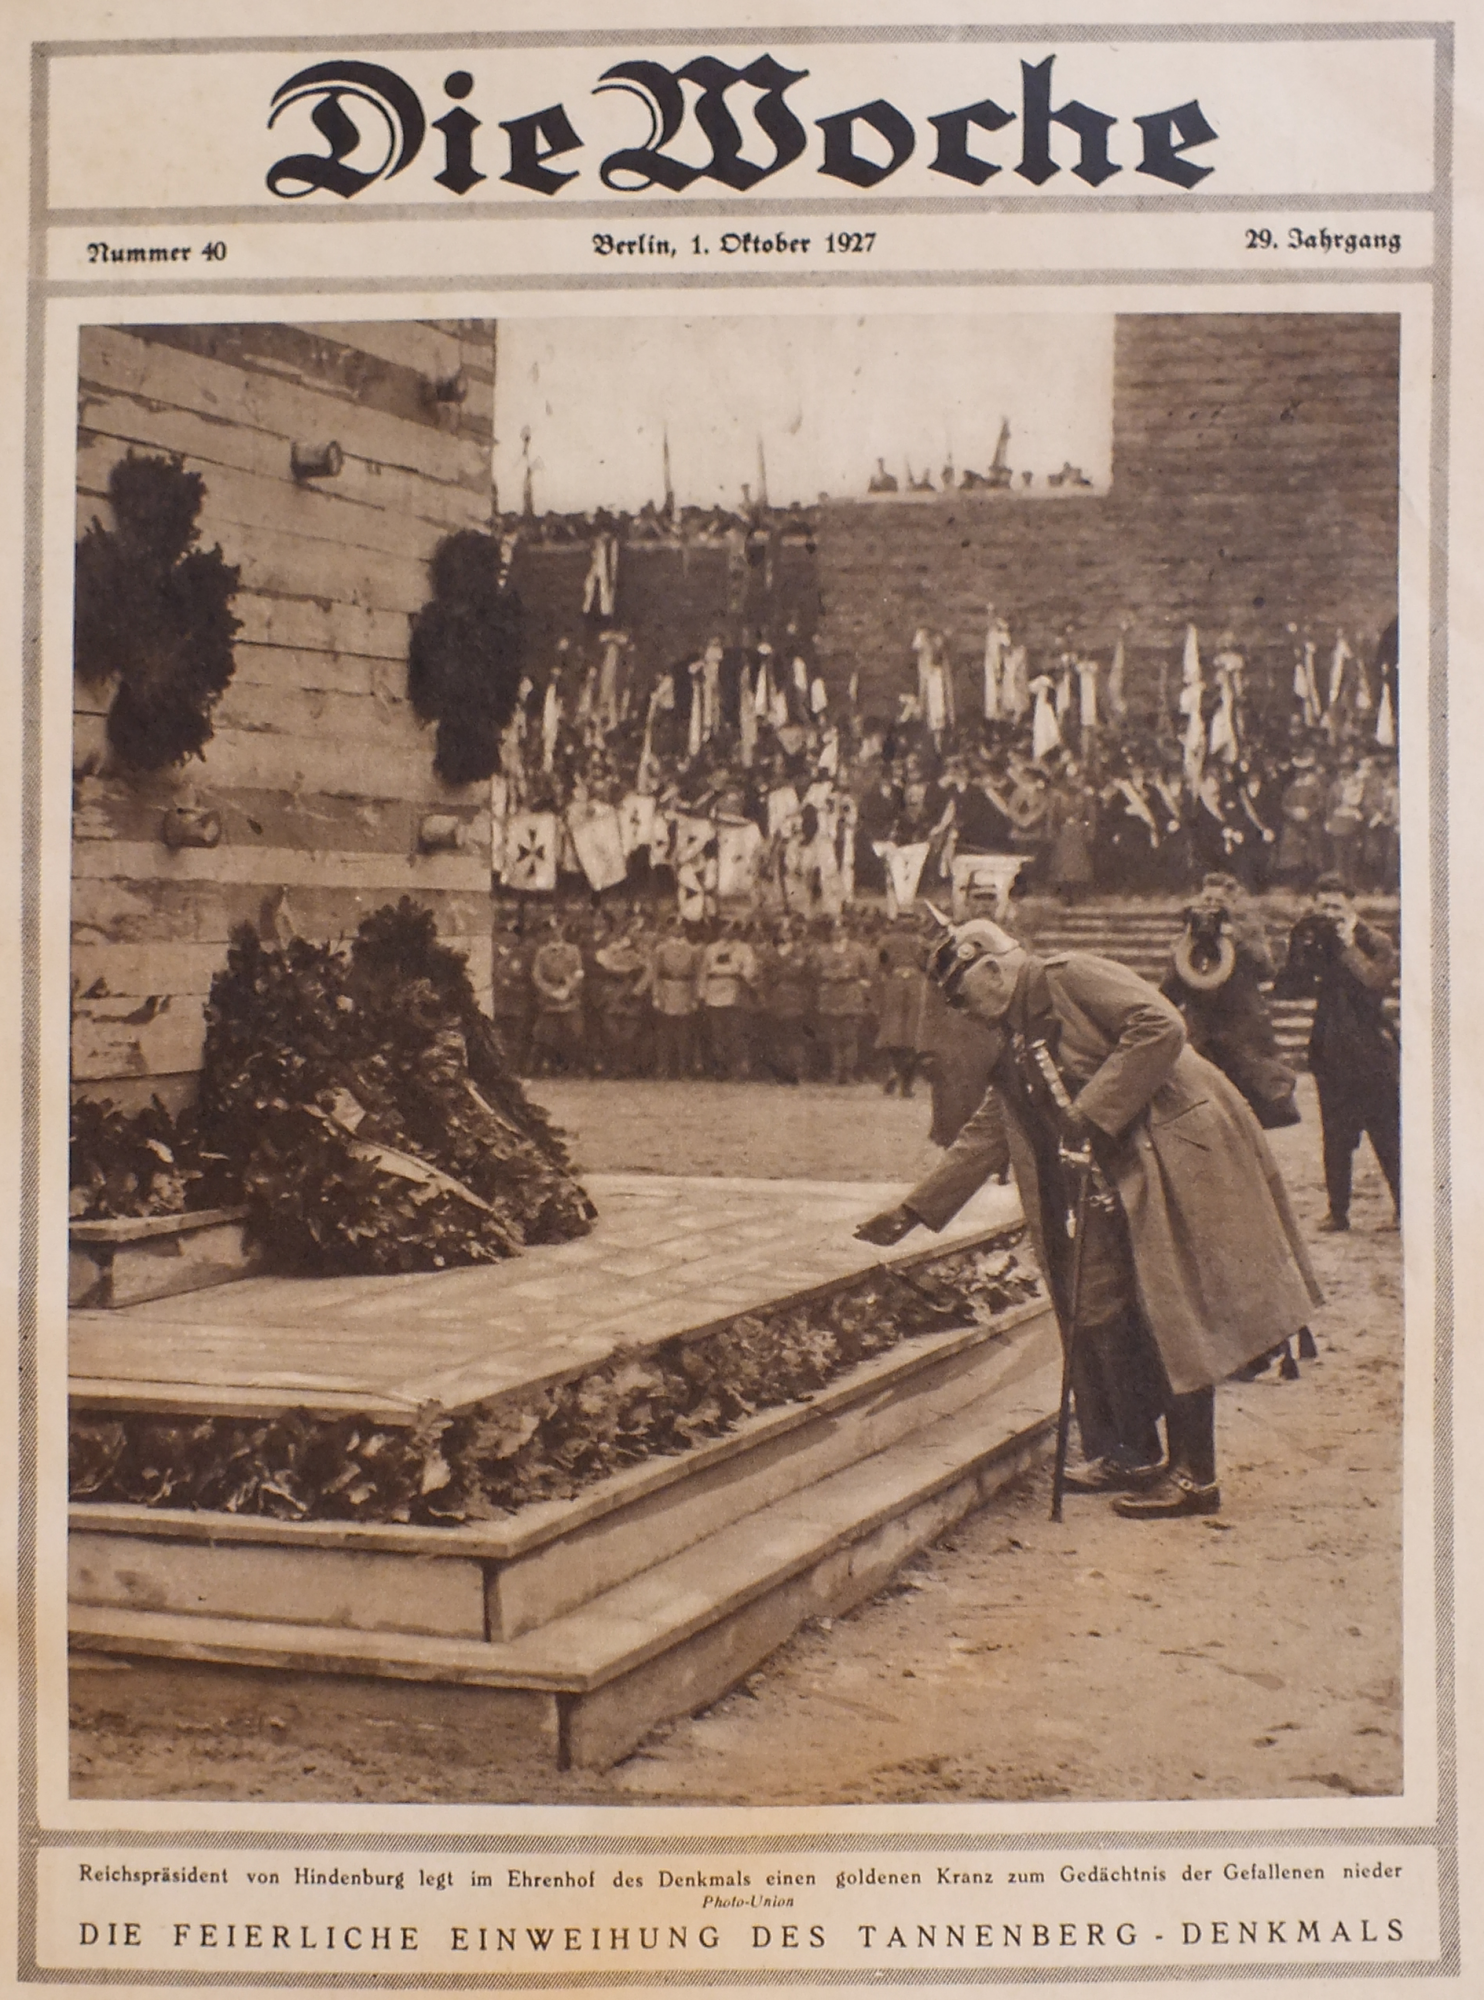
(1443, 1833)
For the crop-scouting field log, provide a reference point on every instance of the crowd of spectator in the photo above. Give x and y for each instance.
(835, 810)
(747, 781)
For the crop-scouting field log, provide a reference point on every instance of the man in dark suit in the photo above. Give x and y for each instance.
(1191, 1263)
(1354, 1054)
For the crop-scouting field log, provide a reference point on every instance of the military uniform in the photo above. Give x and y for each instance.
(1198, 1266)
(842, 975)
(621, 1003)
(677, 963)
(557, 1037)
(788, 988)
(728, 972)
(510, 1000)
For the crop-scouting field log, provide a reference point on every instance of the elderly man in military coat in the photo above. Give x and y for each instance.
(1191, 1261)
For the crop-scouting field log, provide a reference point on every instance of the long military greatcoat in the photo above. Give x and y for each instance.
(1222, 1273)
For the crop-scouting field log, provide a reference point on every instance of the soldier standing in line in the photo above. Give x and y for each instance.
(557, 976)
(788, 986)
(753, 1021)
(842, 973)
(623, 971)
(590, 933)
(677, 965)
(728, 973)
(510, 1000)
(901, 993)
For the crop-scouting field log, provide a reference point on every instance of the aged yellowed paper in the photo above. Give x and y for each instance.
(741, 1221)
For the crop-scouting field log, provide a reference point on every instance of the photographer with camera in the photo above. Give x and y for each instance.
(1158, 1214)
(1215, 977)
(1354, 1052)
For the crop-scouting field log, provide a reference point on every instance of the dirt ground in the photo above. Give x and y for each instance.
(807, 1132)
(1257, 1654)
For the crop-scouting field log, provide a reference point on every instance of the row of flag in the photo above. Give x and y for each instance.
(600, 839)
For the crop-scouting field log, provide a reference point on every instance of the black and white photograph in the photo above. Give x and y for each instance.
(736, 1073)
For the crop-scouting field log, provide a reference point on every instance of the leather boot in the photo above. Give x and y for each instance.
(1177, 1494)
(1190, 1485)
(1190, 1423)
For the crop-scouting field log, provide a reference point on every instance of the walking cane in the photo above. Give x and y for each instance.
(1069, 1334)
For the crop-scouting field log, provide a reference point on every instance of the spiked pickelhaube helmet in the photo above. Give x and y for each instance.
(958, 947)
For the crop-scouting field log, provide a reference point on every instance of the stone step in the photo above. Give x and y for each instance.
(1168, 920)
(590, 1683)
(128, 1260)
(498, 1579)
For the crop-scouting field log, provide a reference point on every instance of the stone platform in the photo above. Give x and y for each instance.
(666, 1256)
(582, 1621)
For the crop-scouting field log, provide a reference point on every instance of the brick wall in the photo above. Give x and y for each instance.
(317, 767)
(1254, 483)
(671, 599)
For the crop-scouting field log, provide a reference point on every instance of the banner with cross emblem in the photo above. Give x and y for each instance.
(530, 852)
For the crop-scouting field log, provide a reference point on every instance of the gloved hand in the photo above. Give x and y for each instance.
(1076, 1130)
(887, 1228)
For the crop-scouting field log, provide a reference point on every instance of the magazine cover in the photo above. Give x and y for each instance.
(739, 1142)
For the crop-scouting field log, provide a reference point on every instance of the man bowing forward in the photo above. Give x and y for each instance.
(1191, 1263)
